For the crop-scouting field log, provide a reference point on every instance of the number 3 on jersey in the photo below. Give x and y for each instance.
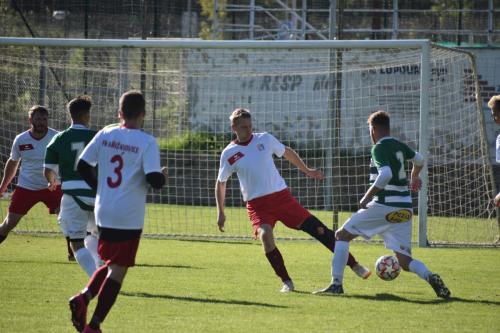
(118, 171)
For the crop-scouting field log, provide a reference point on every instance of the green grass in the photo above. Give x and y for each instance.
(221, 286)
(197, 220)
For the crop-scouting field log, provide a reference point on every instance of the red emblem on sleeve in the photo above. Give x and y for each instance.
(26, 146)
(235, 158)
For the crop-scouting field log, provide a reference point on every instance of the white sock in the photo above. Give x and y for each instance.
(85, 260)
(91, 243)
(339, 261)
(420, 269)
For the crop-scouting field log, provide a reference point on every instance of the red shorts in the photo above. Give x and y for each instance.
(278, 206)
(23, 200)
(120, 253)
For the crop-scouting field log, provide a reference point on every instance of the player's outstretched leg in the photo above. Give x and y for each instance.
(314, 227)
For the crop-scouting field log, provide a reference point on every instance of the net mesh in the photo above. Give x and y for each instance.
(314, 100)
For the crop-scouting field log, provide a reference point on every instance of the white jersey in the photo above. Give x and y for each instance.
(31, 152)
(253, 163)
(498, 149)
(123, 157)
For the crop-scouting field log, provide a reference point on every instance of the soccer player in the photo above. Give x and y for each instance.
(29, 147)
(128, 162)
(494, 105)
(77, 203)
(266, 193)
(386, 207)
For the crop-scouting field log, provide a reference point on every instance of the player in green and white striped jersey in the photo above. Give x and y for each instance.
(77, 204)
(386, 208)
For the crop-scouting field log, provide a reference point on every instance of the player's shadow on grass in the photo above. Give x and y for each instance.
(396, 298)
(200, 300)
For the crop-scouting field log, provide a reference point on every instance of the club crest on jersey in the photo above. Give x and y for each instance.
(233, 159)
(399, 216)
(26, 146)
(261, 147)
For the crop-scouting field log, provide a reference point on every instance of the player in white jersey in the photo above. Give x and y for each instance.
(128, 163)
(29, 147)
(386, 207)
(266, 194)
(77, 204)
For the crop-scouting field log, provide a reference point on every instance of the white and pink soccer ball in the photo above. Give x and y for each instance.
(387, 267)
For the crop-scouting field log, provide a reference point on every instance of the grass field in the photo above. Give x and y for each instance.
(201, 220)
(223, 286)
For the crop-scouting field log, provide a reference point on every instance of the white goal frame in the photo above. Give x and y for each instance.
(421, 44)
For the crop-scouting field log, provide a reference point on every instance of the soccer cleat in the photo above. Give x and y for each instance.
(287, 286)
(439, 287)
(333, 289)
(89, 329)
(78, 309)
(71, 257)
(361, 271)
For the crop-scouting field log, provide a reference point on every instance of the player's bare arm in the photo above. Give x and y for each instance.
(220, 196)
(8, 174)
(383, 178)
(51, 177)
(418, 165)
(294, 158)
(369, 196)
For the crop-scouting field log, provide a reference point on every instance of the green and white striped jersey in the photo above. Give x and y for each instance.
(62, 156)
(393, 153)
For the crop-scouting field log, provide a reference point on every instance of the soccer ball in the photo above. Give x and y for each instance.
(387, 267)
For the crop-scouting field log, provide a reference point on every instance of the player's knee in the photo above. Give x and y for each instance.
(314, 227)
(342, 235)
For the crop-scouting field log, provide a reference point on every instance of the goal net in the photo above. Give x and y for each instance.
(313, 96)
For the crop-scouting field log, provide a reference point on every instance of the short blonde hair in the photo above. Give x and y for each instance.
(239, 113)
(494, 103)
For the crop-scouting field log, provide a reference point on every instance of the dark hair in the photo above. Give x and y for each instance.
(132, 104)
(380, 119)
(79, 106)
(38, 109)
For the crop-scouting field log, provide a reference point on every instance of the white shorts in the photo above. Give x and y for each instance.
(393, 224)
(74, 221)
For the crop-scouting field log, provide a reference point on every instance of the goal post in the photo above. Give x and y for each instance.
(314, 96)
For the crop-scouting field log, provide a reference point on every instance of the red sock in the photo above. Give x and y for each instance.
(96, 281)
(278, 264)
(106, 299)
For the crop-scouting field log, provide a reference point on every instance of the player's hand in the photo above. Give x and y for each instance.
(2, 191)
(497, 200)
(221, 220)
(164, 171)
(364, 201)
(415, 184)
(52, 186)
(316, 174)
